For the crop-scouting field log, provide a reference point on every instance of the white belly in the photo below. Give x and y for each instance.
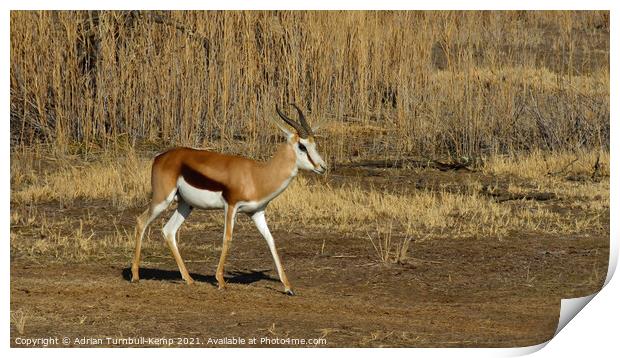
(200, 198)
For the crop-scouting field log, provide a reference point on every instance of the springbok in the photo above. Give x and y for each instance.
(208, 180)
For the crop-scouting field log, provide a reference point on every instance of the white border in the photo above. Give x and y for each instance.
(593, 331)
(312, 5)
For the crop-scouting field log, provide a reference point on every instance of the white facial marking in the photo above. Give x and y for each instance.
(308, 157)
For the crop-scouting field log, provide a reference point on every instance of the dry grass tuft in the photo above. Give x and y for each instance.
(538, 164)
(124, 181)
(18, 319)
(387, 251)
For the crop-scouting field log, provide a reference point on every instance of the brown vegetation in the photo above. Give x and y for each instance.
(341, 202)
(417, 83)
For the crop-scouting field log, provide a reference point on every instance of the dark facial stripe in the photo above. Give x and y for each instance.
(310, 159)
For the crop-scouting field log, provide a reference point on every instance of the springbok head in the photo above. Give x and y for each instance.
(302, 140)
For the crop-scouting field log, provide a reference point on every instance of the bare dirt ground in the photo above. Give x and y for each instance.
(475, 292)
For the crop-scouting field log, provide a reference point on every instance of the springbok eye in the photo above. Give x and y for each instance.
(302, 148)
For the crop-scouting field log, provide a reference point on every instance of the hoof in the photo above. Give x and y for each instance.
(221, 283)
(189, 282)
(135, 274)
(289, 292)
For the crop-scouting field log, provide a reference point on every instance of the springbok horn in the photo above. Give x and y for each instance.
(302, 120)
(303, 133)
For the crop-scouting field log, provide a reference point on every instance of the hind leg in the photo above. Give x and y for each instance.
(143, 222)
(170, 232)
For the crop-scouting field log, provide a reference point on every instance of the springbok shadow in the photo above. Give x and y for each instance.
(242, 277)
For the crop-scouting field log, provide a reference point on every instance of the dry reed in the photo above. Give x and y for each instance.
(404, 82)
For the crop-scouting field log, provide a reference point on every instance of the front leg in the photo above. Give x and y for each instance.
(261, 225)
(229, 222)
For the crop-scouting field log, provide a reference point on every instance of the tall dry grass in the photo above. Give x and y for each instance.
(405, 82)
(97, 197)
(123, 183)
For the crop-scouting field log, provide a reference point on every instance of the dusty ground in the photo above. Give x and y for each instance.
(480, 291)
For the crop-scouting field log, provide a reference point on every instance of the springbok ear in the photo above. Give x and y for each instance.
(318, 125)
(283, 128)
